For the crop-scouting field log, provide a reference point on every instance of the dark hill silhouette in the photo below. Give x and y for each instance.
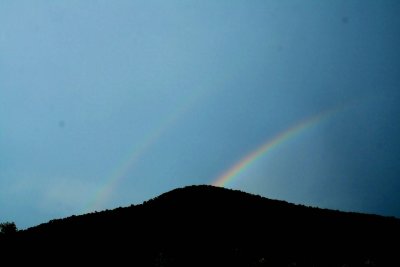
(211, 226)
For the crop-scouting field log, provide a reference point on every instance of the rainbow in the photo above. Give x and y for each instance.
(244, 163)
(105, 192)
(117, 176)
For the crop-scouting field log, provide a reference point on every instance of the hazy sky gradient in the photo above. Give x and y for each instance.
(191, 87)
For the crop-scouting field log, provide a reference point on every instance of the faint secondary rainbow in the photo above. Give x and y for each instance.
(118, 175)
(244, 163)
(104, 193)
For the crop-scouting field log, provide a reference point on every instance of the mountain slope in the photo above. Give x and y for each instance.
(208, 225)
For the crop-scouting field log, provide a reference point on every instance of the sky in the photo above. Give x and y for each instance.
(110, 103)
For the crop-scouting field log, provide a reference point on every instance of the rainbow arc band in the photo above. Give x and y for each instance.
(119, 174)
(244, 163)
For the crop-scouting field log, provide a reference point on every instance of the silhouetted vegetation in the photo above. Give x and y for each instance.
(210, 226)
(8, 228)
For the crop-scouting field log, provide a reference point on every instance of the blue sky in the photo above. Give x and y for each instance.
(110, 103)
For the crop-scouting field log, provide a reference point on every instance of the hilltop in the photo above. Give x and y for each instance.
(212, 226)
